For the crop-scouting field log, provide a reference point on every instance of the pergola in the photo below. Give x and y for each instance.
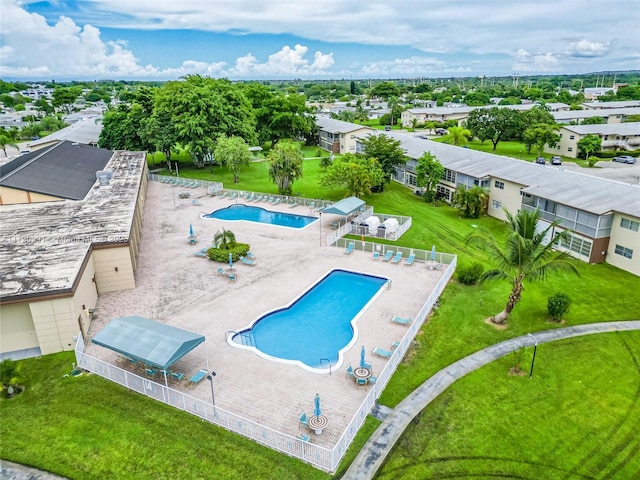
(345, 207)
(144, 340)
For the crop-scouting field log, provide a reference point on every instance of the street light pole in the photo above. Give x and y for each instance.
(533, 360)
(320, 221)
(213, 397)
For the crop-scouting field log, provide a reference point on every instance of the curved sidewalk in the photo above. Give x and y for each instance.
(372, 455)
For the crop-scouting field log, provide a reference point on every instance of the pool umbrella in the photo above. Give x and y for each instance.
(191, 230)
(230, 260)
(433, 252)
(316, 406)
(363, 363)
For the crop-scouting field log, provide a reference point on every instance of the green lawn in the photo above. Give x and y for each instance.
(87, 427)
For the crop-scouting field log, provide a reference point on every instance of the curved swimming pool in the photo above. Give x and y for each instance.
(260, 215)
(318, 326)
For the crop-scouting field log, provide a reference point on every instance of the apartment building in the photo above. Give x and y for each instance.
(614, 136)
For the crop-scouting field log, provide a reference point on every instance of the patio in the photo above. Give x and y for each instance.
(182, 290)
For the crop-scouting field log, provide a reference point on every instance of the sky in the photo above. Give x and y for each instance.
(314, 39)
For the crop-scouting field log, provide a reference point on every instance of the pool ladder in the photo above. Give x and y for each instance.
(245, 338)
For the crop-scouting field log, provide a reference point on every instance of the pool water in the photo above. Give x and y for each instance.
(261, 215)
(317, 325)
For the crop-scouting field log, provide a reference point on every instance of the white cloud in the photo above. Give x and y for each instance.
(286, 62)
(535, 62)
(587, 49)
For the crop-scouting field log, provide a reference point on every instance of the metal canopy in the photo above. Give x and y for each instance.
(153, 343)
(345, 207)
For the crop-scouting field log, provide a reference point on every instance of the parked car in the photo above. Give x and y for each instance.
(387, 128)
(442, 131)
(625, 159)
(541, 160)
(555, 160)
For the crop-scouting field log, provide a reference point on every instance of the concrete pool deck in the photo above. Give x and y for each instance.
(179, 289)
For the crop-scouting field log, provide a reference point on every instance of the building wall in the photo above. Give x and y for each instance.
(506, 197)
(348, 140)
(13, 196)
(18, 330)
(114, 269)
(624, 238)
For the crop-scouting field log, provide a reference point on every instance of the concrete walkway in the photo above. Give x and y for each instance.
(374, 452)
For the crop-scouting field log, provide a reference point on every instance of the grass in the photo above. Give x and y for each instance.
(87, 427)
(578, 417)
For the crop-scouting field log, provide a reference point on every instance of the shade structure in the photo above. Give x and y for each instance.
(345, 206)
(433, 252)
(316, 406)
(363, 362)
(145, 340)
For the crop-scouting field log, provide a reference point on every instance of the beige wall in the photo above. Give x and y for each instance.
(348, 140)
(508, 197)
(625, 238)
(105, 261)
(56, 324)
(12, 196)
(18, 331)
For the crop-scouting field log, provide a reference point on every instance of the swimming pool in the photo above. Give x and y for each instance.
(318, 326)
(261, 215)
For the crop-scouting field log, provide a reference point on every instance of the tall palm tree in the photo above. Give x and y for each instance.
(457, 135)
(524, 256)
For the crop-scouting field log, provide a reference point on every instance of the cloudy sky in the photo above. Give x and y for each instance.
(269, 39)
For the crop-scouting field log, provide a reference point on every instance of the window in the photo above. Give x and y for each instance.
(499, 185)
(449, 176)
(443, 192)
(572, 137)
(352, 137)
(570, 149)
(625, 252)
(577, 245)
(496, 204)
(630, 224)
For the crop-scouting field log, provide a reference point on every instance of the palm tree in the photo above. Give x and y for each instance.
(457, 135)
(224, 239)
(285, 166)
(472, 202)
(6, 142)
(524, 256)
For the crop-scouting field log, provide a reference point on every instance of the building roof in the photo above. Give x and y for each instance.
(43, 245)
(85, 131)
(150, 342)
(337, 126)
(617, 104)
(624, 129)
(574, 189)
(64, 170)
(568, 115)
(345, 206)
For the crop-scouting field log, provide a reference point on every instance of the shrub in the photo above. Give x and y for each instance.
(222, 254)
(558, 305)
(470, 274)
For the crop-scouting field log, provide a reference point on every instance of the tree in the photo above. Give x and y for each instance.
(457, 136)
(234, 153)
(5, 142)
(594, 121)
(472, 202)
(538, 114)
(225, 239)
(355, 173)
(285, 165)
(495, 124)
(385, 90)
(387, 151)
(540, 135)
(476, 99)
(589, 145)
(527, 255)
(429, 172)
(64, 98)
(52, 124)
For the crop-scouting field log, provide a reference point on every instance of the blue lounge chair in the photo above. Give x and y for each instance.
(376, 255)
(257, 198)
(276, 202)
(246, 261)
(233, 196)
(409, 261)
(349, 248)
(251, 256)
(387, 255)
(349, 371)
(201, 253)
(293, 205)
(304, 421)
(303, 437)
(397, 258)
(197, 377)
(372, 380)
(385, 353)
(224, 195)
(178, 377)
(249, 197)
(402, 321)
